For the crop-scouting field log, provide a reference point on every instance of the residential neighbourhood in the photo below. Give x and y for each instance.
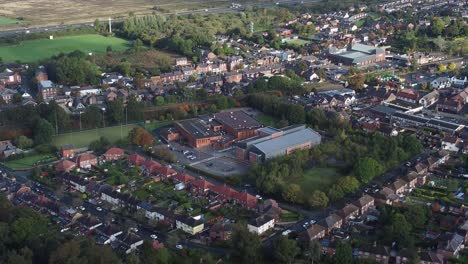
(310, 135)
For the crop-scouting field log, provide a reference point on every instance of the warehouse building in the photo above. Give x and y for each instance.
(273, 142)
(357, 54)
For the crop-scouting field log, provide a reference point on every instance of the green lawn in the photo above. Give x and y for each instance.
(319, 178)
(297, 42)
(33, 50)
(267, 120)
(83, 138)
(7, 21)
(30, 161)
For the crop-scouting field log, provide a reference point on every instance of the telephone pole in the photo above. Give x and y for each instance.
(110, 25)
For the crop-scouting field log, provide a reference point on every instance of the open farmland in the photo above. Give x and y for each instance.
(7, 21)
(33, 50)
(53, 12)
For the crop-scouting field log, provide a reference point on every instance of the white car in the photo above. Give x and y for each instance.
(179, 246)
(153, 236)
(312, 222)
(99, 209)
(286, 232)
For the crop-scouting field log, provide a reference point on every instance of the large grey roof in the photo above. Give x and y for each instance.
(288, 140)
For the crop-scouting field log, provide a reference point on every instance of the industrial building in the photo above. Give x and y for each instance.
(272, 142)
(357, 54)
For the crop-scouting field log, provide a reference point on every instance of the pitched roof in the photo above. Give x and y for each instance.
(260, 221)
(85, 157)
(202, 184)
(136, 159)
(114, 151)
(65, 165)
(183, 177)
(166, 171)
(364, 200)
(313, 231)
(348, 210)
(330, 220)
(247, 199)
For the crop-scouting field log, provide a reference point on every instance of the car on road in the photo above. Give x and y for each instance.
(82, 208)
(179, 246)
(312, 222)
(99, 209)
(286, 232)
(153, 236)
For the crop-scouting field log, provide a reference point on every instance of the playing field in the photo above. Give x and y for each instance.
(319, 178)
(83, 138)
(7, 21)
(33, 50)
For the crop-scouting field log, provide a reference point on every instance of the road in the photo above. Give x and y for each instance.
(185, 13)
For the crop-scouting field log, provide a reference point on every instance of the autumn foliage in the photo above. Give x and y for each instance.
(139, 136)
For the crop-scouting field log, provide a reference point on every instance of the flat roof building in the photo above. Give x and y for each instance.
(273, 142)
(357, 54)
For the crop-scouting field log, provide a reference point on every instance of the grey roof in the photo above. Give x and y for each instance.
(269, 130)
(281, 143)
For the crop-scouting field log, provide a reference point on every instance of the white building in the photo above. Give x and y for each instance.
(261, 224)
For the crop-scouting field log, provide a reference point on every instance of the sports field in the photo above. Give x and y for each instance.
(297, 42)
(33, 50)
(83, 138)
(7, 21)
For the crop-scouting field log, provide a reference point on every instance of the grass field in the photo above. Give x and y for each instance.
(7, 21)
(33, 50)
(297, 42)
(319, 178)
(30, 161)
(83, 138)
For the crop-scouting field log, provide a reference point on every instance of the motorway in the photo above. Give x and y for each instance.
(220, 10)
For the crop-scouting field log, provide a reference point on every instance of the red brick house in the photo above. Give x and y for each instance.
(9, 77)
(182, 178)
(312, 233)
(135, 160)
(364, 203)
(348, 212)
(67, 151)
(201, 187)
(246, 200)
(114, 154)
(86, 160)
(331, 222)
(65, 166)
(151, 166)
(165, 172)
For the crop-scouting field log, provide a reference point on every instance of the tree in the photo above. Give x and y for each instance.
(314, 252)
(293, 194)
(366, 169)
(140, 137)
(442, 68)
(137, 44)
(125, 68)
(348, 184)
(399, 230)
(246, 245)
(115, 111)
(357, 82)
(343, 254)
(419, 215)
(318, 199)
(302, 65)
(24, 142)
(285, 250)
(437, 26)
(452, 66)
(43, 132)
(164, 154)
(91, 118)
(109, 50)
(159, 100)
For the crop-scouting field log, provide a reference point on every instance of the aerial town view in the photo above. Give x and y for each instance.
(209, 132)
